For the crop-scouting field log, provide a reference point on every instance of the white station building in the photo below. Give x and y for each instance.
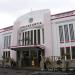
(36, 34)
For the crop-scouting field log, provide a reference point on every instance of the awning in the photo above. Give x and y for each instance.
(29, 46)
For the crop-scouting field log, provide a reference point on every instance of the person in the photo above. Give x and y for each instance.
(13, 64)
(45, 65)
(59, 64)
(42, 63)
(48, 63)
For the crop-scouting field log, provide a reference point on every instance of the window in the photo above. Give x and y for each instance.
(67, 52)
(4, 42)
(20, 39)
(61, 34)
(23, 39)
(38, 36)
(62, 53)
(28, 38)
(3, 55)
(73, 52)
(35, 37)
(43, 35)
(7, 41)
(66, 33)
(6, 54)
(31, 37)
(71, 32)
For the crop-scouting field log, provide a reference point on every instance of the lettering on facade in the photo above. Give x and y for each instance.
(31, 26)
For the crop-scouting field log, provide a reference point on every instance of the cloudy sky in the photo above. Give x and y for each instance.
(10, 10)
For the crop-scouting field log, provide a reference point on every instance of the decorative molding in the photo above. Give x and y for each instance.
(70, 20)
(30, 20)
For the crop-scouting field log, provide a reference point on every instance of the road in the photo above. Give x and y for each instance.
(4, 71)
(52, 73)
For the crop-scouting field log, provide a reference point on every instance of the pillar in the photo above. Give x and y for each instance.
(20, 61)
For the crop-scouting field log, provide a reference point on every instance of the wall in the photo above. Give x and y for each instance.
(2, 34)
(55, 29)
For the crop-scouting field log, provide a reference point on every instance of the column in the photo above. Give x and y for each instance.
(71, 52)
(36, 36)
(20, 61)
(65, 52)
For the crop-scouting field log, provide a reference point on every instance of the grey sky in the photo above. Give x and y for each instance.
(10, 10)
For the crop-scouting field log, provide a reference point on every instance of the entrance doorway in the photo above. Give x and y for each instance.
(25, 59)
(30, 56)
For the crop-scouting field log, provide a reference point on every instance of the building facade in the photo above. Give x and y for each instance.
(37, 34)
(5, 42)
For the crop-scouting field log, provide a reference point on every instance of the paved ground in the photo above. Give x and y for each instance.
(52, 73)
(4, 71)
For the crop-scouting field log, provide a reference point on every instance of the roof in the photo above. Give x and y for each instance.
(63, 15)
(6, 29)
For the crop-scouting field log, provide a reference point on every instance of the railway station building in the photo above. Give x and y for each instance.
(37, 34)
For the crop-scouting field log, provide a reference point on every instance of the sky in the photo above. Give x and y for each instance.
(10, 10)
